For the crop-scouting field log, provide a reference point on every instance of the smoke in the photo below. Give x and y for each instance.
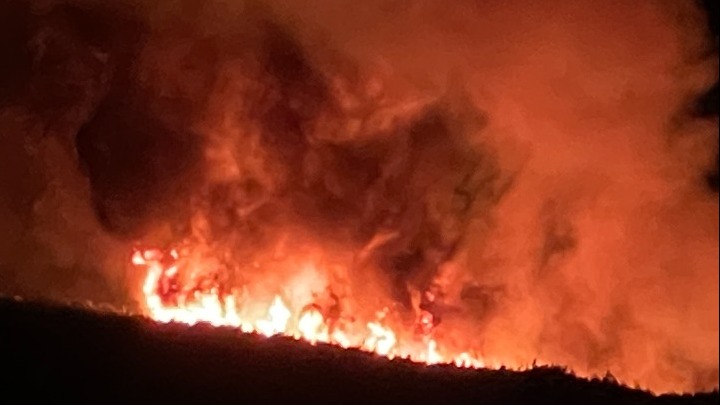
(537, 166)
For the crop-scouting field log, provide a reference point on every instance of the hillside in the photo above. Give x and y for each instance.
(81, 355)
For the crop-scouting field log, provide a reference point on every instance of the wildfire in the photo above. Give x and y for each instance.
(166, 300)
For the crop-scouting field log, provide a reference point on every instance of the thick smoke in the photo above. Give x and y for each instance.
(538, 167)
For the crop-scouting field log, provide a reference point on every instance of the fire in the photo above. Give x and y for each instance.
(381, 340)
(166, 300)
(277, 322)
(312, 326)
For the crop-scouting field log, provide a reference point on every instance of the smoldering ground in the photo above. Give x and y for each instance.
(538, 164)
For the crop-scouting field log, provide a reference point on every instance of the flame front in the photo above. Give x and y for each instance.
(309, 323)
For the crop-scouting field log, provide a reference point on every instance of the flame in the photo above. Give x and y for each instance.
(277, 322)
(312, 326)
(381, 340)
(309, 323)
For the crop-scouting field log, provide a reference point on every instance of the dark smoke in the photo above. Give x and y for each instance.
(143, 156)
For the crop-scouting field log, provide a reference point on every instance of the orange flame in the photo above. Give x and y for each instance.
(308, 323)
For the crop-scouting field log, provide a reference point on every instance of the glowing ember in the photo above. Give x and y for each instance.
(166, 300)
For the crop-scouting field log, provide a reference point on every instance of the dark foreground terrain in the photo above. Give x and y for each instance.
(78, 355)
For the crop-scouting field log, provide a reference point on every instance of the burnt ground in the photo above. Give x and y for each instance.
(81, 355)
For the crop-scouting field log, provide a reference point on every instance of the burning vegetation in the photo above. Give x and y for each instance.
(461, 194)
(202, 297)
